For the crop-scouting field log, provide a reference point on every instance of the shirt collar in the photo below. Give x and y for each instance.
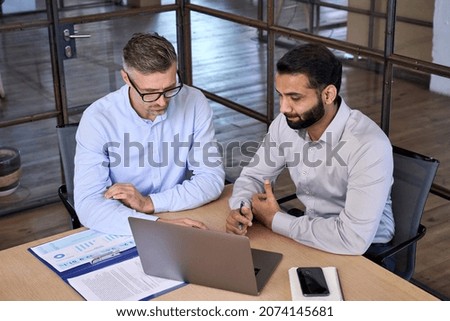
(335, 129)
(332, 135)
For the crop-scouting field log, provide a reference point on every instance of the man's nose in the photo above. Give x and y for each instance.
(161, 101)
(284, 106)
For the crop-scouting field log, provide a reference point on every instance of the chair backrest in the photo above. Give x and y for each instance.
(413, 177)
(67, 146)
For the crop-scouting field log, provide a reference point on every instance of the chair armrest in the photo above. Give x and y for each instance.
(62, 193)
(286, 198)
(397, 248)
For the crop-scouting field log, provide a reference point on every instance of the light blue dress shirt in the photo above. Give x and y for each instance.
(343, 180)
(115, 145)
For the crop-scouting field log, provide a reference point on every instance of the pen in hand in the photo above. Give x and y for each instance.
(240, 212)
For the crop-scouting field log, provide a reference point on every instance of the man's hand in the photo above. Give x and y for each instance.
(184, 222)
(239, 220)
(265, 205)
(131, 197)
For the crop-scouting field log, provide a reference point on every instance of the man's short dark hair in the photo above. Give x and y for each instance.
(315, 61)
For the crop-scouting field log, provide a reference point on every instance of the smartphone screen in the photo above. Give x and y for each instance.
(312, 281)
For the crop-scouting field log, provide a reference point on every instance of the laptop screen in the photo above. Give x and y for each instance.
(204, 257)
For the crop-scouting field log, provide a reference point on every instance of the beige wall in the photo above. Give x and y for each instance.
(410, 40)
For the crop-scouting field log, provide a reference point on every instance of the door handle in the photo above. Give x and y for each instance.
(68, 36)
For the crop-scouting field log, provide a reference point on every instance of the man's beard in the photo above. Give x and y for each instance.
(310, 117)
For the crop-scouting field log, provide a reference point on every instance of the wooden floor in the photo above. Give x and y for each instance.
(420, 122)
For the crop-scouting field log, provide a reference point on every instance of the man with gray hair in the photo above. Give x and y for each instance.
(148, 147)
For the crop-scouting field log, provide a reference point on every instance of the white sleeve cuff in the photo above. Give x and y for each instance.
(281, 223)
(160, 204)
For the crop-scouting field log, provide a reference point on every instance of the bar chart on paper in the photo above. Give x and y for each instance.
(78, 249)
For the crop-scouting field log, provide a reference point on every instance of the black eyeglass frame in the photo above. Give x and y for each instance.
(159, 93)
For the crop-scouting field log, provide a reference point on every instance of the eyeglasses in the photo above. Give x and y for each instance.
(151, 97)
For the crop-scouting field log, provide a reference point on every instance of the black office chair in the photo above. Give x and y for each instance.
(413, 176)
(67, 145)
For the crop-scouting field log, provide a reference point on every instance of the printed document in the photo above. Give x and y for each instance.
(102, 267)
(81, 248)
(124, 281)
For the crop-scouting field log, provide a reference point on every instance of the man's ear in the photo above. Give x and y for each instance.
(124, 76)
(329, 94)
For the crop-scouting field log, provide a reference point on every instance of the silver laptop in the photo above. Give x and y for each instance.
(204, 257)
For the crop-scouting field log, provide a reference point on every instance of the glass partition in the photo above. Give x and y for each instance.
(95, 71)
(313, 17)
(25, 74)
(238, 135)
(245, 8)
(414, 29)
(366, 23)
(40, 164)
(419, 119)
(229, 61)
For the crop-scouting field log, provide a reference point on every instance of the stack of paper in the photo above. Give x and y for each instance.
(102, 267)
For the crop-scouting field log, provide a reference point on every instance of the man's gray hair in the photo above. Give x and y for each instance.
(148, 53)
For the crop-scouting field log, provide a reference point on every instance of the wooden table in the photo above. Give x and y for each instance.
(23, 277)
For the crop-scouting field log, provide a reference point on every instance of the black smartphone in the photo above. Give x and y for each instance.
(312, 281)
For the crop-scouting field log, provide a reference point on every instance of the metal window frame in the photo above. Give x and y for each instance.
(183, 8)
